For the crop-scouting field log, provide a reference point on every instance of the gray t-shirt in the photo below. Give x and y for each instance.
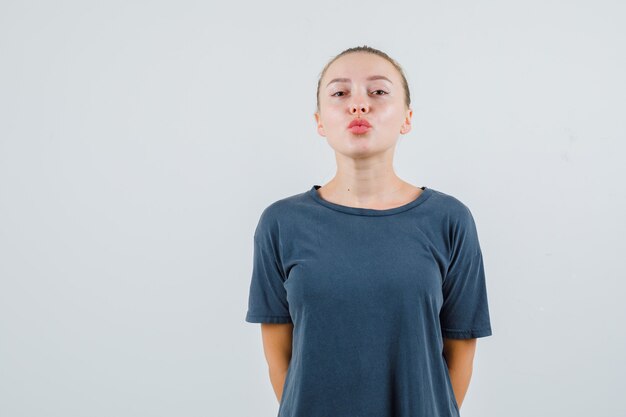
(371, 294)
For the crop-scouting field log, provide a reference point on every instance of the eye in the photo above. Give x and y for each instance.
(375, 91)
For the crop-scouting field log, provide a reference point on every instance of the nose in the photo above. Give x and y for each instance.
(359, 108)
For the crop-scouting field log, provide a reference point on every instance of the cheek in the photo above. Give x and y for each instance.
(391, 115)
(334, 117)
(389, 112)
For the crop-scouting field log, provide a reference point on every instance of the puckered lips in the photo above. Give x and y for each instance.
(359, 126)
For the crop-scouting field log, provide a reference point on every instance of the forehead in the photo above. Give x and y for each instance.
(359, 66)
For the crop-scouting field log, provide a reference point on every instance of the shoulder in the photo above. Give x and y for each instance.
(452, 208)
(449, 203)
(279, 211)
(460, 226)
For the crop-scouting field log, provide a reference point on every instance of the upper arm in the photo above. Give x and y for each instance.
(465, 311)
(267, 299)
(459, 351)
(277, 344)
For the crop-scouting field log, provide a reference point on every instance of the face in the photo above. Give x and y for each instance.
(370, 88)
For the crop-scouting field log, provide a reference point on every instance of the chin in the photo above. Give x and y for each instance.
(357, 150)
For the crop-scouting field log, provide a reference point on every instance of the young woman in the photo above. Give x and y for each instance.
(371, 290)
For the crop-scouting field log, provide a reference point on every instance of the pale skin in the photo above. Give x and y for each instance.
(365, 178)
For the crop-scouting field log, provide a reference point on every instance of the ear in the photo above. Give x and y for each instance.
(406, 126)
(320, 127)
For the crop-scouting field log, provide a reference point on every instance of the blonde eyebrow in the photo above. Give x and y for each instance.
(347, 80)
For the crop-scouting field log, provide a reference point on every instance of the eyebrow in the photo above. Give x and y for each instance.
(347, 80)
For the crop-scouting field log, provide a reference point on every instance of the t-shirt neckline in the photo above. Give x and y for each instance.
(424, 195)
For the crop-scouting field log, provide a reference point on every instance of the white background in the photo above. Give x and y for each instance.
(140, 140)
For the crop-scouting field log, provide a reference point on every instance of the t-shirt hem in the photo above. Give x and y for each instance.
(466, 334)
(252, 318)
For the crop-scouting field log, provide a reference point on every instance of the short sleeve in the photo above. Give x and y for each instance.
(267, 299)
(465, 311)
